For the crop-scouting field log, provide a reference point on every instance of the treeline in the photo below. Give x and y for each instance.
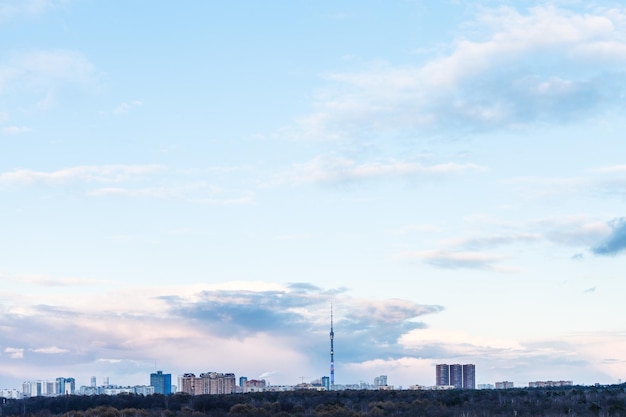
(607, 401)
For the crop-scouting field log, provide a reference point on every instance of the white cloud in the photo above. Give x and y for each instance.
(38, 79)
(547, 64)
(333, 169)
(610, 169)
(126, 107)
(84, 173)
(14, 353)
(10, 9)
(162, 192)
(456, 259)
(52, 350)
(15, 130)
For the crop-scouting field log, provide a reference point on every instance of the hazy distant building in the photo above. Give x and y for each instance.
(326, 382)
(549, 384)
(39, 389)
(456, 375)
(254, 385)
(93, 381)
(65, 386)
(504, 385)
(380, 381)
(161, 382)
(242, 380)
(10, 393)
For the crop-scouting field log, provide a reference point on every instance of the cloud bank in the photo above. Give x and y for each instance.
(545, 65)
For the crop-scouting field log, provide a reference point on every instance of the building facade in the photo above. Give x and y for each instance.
(380, 381)
(456, 375)
(442, 377)
(161, 382)
(208, 383)
(469, 376)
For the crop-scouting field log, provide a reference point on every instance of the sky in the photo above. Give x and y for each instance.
(188, 186)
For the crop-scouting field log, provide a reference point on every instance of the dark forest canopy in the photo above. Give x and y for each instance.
(604, 401)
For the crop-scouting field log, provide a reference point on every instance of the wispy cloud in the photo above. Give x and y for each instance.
(519, 70)
(455, 259)
(15, 130)
(51, 350)
(38, 79)
(85, 173)
(14, 353)
(126, 107)
(10, 9)
(47, 281)
(334, 169)
(476, 252)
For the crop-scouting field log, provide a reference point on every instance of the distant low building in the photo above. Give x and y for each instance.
(505, 385)
(254, 385)
(208, 383)
(10, 394)
(550, 384)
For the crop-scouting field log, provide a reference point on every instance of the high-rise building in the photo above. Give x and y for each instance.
(65, 386)
(161, 382)
(469, 376)
(242, 380)
(326, 382)
(457, 375)
(442, 377)
(208, 383)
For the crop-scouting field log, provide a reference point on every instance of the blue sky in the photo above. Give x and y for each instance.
(189, 185)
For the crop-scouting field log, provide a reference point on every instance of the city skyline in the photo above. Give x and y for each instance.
(188, 186)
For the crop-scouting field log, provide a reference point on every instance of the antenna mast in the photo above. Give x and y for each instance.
(332, 350)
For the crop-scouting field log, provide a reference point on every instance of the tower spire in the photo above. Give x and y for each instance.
(332, 349)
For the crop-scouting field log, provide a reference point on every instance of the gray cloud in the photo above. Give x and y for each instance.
(616, 242)
(121, 339)
(364, 329)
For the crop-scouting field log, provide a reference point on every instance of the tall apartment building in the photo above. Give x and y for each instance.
(208, 383)
(456, 375)
(65, 386)
(161, 382)
(442, 377)
(39, 389)
(469, 376)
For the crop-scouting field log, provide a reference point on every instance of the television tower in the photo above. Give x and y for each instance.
(332, 350)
